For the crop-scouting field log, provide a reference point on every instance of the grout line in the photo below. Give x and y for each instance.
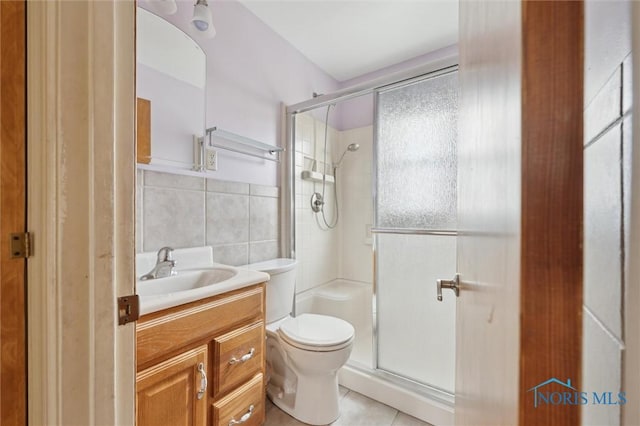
(623, 254)
(603, 132)
(602, 325)
(394, 418)
(345, 394)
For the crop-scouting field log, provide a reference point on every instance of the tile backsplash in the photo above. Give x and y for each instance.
(239, 220)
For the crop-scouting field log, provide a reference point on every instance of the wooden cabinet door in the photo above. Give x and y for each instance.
(174, 392)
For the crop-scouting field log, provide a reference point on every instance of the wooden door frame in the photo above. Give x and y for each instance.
(13, 382)
(81, 191)
(552, 204)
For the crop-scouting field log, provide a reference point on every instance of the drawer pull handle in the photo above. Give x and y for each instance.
(203, 381)
(244, 358)
(246, 416)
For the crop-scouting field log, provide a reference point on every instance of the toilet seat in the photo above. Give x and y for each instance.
(318, 333)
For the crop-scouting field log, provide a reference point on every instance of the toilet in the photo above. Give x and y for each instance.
(304, 353)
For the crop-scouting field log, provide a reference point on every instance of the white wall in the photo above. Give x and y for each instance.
(251, 72)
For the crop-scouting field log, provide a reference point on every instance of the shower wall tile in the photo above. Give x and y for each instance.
(627, 143)
(602, 224)
(263, 250)
(317, 250)
(172, 218)
(168, 180)
(627, 84)
(298, 180)
(354, 188)
(307, 148)
(232, 254)
(607, 41)
(227, 218)
(214, 185)
(264, 191)
(601, 372)
(604, 109)
(263, 224)
(607, 72)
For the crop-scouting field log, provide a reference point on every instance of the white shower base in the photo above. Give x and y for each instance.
(352, 301)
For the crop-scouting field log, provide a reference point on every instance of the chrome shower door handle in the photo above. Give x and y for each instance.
(453, 284)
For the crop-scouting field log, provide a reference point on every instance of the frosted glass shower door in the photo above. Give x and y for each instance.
(415, 222)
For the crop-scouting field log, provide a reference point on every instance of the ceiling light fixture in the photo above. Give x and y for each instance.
(202, 16)
(164, 7)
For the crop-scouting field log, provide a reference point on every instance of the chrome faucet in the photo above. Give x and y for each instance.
(164, 265)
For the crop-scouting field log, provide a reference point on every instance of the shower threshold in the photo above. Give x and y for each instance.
(423, 402)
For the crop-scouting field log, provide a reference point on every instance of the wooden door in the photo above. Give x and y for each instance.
(12, 212)
(173, 391)
(519, 209)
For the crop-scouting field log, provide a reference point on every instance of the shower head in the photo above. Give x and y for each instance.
(351, 148)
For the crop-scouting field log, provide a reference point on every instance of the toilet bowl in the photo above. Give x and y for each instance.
(304, 353)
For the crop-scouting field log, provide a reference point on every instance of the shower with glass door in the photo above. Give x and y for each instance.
(415, 229)
(396, 199)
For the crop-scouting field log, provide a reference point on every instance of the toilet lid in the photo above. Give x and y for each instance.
(317, 330)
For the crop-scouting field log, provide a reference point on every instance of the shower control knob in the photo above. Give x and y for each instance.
(453, 284)
(316, 202)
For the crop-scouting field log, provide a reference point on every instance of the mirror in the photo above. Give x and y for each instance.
(170, 85)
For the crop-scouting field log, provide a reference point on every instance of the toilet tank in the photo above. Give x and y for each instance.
(281, 287)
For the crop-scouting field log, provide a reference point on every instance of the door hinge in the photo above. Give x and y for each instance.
(21, 245)
(128, 309)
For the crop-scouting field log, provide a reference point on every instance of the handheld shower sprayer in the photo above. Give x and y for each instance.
(351, 148)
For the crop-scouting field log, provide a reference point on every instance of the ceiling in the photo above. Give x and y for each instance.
(350, 38)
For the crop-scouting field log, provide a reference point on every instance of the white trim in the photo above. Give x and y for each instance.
(81, 174)
(43, 376)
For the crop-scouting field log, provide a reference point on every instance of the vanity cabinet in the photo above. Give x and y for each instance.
(203, 363)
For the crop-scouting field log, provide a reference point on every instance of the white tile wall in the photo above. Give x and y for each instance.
(602, 361)
(346, 251)
(606, 174)
(602, 224)
(355, 189)
(317, 249)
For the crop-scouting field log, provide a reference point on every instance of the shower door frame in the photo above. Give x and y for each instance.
(433, 392)
(288, 200)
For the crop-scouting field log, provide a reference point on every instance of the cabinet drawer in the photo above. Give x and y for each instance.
(237, 356)
(245, 403)
(167, 331)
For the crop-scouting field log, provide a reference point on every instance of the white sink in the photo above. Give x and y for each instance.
(197, 277)
(185, 280)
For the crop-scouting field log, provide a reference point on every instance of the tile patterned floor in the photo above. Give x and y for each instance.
(356, 410)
